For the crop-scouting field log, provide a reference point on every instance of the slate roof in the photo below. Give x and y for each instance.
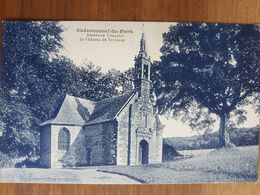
(78, 111)
(107, 109)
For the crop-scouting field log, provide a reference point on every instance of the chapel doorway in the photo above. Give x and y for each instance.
(143, 152)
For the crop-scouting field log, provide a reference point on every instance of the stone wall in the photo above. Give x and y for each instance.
(93, 141)
(60, 157)
(102, 143)
(101, 140)
(110, 142)
(159, 146)
(45, 146)
(132, 130)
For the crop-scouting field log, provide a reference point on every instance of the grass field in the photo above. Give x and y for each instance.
(76, 175)
(196, 153)
(231, 165)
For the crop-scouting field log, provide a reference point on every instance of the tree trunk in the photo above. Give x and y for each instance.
(223, 134)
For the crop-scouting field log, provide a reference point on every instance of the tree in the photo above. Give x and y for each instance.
(36, 79)
(115, 82)
(207, 70)
(28, 48)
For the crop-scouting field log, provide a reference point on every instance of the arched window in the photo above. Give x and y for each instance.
(64, 139)
(146, 71)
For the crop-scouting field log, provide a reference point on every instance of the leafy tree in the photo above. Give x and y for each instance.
(115, 82)
(208, 140)
(28, 48)
(208, 70)
(128, 80)
(36, 79)
(90, 82)
(87, 81)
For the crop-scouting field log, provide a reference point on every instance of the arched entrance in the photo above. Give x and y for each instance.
(143, 152)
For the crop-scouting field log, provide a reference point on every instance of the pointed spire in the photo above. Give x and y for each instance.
(142, 42)
(142, 69)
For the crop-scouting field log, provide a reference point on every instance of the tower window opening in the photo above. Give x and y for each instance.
(139, 75)
(139, 72)
(146, 71)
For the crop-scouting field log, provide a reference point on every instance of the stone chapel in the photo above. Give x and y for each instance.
(122, 130)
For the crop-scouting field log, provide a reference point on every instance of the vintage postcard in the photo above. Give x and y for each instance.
(129, 102)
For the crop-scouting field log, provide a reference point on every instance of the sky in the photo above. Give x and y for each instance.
(114, 45)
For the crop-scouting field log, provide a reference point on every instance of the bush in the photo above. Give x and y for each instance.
(32, 162)
(169, 152)
(5, 161)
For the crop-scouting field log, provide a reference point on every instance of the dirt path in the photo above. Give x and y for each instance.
(87, 176)
(93, 176)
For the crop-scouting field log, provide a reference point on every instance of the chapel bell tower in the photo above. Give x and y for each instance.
(142, 70)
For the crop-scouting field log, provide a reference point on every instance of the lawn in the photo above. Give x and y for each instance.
(73, 175)
(231, 165)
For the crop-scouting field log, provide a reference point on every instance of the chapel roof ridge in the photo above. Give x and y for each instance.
(115, 96)
(72, 96)
(108, 98)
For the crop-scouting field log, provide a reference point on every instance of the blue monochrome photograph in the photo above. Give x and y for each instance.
(100, 102)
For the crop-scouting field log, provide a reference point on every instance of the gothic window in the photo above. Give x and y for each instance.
(64, 139)
(145, 71)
